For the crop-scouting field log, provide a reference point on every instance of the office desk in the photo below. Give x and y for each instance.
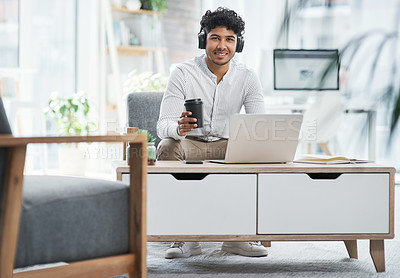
(369, 111)
(270, 202)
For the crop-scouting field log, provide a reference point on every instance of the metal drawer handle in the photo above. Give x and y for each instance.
(189, 176)
(324, 176)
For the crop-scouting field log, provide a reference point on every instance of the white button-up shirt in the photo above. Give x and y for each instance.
(192, 79)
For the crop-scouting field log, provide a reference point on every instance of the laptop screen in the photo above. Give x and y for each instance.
(300, 69)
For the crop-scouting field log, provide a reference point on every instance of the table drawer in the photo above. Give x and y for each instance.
(324, 203)
(200, 204)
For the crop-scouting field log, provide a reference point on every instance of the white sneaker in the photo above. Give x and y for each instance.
(248, 249)
(179, 249)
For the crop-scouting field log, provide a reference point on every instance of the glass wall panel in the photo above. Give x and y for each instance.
(48, 44)
(9, 33)
(48, 64)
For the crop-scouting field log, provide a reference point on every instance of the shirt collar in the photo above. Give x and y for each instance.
(203, 64)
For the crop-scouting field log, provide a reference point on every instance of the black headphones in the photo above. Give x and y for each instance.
(202, 35)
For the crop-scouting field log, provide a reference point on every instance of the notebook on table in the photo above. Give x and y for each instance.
(262, 138)
(326, 159)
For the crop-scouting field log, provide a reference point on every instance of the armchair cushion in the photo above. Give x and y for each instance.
(69, 219)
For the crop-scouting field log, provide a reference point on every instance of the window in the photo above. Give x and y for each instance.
(9, 33)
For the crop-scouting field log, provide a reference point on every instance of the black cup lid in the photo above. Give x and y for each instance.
(194, 100)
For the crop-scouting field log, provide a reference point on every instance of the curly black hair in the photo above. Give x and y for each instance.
(223, 17)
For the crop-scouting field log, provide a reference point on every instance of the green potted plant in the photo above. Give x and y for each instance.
(151, 149)
(71, 117)
(154, 5)
(71, 114)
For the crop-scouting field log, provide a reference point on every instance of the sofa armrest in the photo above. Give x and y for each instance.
(11, 141)
(11, 197)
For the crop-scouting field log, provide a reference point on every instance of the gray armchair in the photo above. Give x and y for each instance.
(98, 228)
(143, 110)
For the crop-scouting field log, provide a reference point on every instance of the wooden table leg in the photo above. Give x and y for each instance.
(351, 246)
(266, 243)
(377, 251)
(119, 176)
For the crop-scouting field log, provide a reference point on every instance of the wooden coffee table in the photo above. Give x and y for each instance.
(270, 202)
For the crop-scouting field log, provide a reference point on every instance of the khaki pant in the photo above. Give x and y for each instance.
(189, 149)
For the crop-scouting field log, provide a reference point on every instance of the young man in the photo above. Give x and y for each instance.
(224, 86)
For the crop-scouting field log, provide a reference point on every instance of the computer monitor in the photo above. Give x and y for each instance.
(303, 69)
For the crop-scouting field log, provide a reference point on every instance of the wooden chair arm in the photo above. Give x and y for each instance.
(10, 141)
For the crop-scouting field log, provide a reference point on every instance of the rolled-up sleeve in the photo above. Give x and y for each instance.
(172, 106)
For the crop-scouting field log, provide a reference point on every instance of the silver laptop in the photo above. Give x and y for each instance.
(262, 138)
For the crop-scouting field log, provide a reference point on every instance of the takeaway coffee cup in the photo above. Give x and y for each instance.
(196, 107)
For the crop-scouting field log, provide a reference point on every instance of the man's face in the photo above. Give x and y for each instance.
(221, 45)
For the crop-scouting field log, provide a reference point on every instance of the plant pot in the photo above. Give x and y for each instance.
(151, 153)
(146, 5)
(133, 5)
(71, 160)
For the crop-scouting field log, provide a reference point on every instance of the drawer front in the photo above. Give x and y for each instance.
(299, 204)
(217, 204)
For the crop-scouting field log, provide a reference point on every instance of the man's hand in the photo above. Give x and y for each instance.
(185, 123)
